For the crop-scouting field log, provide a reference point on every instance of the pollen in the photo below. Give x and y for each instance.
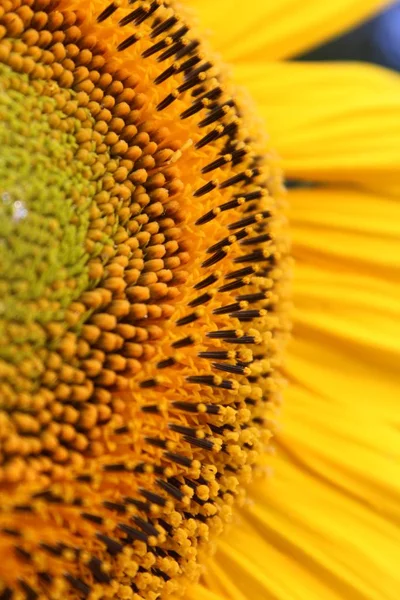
(144, 294)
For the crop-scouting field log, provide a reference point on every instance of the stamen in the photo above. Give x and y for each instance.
(107, 12)
(164, 26)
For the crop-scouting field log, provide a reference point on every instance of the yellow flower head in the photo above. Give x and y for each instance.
(144, 277)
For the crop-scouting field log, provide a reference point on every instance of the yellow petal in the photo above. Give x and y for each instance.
(336, 121)
(346, 243)
(273, 30)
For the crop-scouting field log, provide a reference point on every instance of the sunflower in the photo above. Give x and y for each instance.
(146, 305)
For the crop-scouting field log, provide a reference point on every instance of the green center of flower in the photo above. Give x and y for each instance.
(45, 194)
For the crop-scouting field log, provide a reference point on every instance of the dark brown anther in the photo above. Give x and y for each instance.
(93, 518)
(133, 534)
(172, 490)
(190, 407)
(188, 319)
(45, 577)
(115, 468)
(143, 506)
(164, 26)
(129, 41)
(179, 33)
(168, 362)
(179, 459)
(246, 315)
(259, 239)
(173, 49)
(135, 14)
(190, 82)
(169, 72)
(22, 553)
(192, 110)
(201, 69)
(251, 297)
(223, 334)
(206, 218)
(216, 164)
(96, 568)
(230, 130)
(256, 256)
(30, 593)
(250, 402)
(233, 285)
(153, 498)
(145, 526)
(84, 478)
(200, 300)
(255, 218)
(121, 430)
(78, 584)
(202, 379)
(238, 155)
(11, 531)
(215, 115)
(213, 409)
(187, 49)
(167, 101)
(256, 195)
(206, 282)
(227, 384)
(23, 508)
(214, 354)
(188, 64)
(229, 205)
(214, 259)
(115, 506)
(113, 546)
(227, 241)
(148, 383)
(199, 443)
(186, 341)
(154, 48)
(53, 550)
(107, 12)
(240, 273)
(234, 369)
(211, 136)
(147, 13)
(182, 429)
(160, 573)
(158, 443)
(224, 310)
(245, 339)
(238, 178)
(150, 408)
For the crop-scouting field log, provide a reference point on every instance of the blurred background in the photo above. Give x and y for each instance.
(376, 41)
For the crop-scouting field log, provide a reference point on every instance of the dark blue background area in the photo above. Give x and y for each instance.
(376, 41)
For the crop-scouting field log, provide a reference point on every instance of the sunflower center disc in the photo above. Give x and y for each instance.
(143, 291)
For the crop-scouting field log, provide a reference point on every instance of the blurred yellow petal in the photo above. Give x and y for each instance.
(200, 592)
(347, 250)
(330, 122)
(268, 30)
(351, 226)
